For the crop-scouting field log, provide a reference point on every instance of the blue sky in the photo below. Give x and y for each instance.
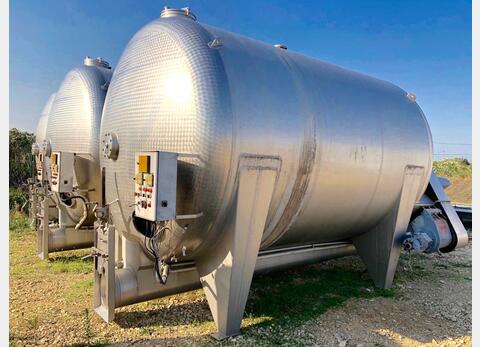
(422, 46)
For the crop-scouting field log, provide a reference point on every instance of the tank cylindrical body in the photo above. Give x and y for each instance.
(74, 125)
(41, 130)
(343, 138)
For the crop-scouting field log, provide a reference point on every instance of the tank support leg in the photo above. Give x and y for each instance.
(226, 274)
(43, 230)
(104, 270)
(33, 199)
(380, 247)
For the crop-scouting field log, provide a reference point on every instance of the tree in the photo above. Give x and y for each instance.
(20, 158)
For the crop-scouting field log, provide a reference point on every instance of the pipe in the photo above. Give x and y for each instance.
(133, 286)
(66, 238)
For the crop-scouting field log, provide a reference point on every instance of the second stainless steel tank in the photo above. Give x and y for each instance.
(74, 125)
(41, 130)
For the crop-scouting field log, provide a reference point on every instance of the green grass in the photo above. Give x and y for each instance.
(23, 259)
(290, 299)
(79, 290)
(72, 264)
(460, 265)
(19, 225)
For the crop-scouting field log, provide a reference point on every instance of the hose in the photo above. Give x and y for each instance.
(85, 209)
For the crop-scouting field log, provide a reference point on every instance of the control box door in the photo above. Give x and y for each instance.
(155, 185)
(62, 166)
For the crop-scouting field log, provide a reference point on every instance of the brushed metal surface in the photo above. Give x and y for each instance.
(74, 126)
(74, 121)
(343, 138)
(41, 130)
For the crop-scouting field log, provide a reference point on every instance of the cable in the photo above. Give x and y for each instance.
(152, 247)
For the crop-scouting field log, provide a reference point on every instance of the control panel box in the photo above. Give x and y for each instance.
(61, 168)
(156, 186)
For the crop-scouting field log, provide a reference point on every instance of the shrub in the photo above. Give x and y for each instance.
(17, 198)
(20, 158)
(454, 167)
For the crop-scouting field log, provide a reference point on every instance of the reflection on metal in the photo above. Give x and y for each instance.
(88, 61)
(279, 45)
(411, 97)
(185, 12)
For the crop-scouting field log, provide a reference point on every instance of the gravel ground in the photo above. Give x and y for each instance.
(431, 307)
(50, 304)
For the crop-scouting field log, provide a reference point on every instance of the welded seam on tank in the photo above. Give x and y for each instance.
(304, 172)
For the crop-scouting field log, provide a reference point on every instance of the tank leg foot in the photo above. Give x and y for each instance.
(43, 231)
(104, 271)
(226, 272)
(380, 247)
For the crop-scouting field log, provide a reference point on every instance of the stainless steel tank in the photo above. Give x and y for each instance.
(278, 159)
(39, 182)
(343, 138)
(40, 134)
(43, 121)
(74, 125)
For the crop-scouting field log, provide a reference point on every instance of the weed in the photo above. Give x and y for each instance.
(88, 334)
(32, 323)
(19, 225)
(147, 330)
(460, 265)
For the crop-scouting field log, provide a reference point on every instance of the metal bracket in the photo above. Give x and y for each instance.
(43, 229)
(104, 266)
(436, 192)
